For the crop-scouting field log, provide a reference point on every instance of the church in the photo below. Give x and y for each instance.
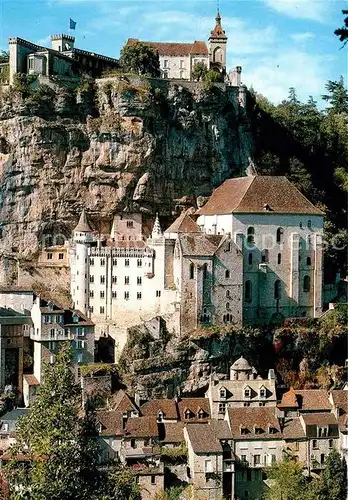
(177, 60)
(252, 255)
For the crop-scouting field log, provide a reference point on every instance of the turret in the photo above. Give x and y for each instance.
(218, 45)
(156, 230)
(62, 43)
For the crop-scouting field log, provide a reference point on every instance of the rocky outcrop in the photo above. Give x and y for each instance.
(128, 143)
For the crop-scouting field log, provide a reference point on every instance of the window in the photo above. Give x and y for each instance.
(139, 280)
(246, 404)
(250, 236)
(228, 305)
(306, 283)
(181, 63)
(279, 260)
(91, 294)
(91, 279)
(114, 294)
(222, 407)
(192, 271)
(309, 261)
(158, 293)
(273, 459)
(309, 223)
(133, 443)
(277, 289)
(80, 344)
(139, 263)
(201, 414)
(247, 393)
(315, 444)
(227, 274)
(330, 443)
(114, 262)
(126, 280)
(322, 431)
(182, 73)
(153, 479)
(262, 393)
(165, 63)
(264, 255)
(228, 294)
(250, 258)
(49, 256)
(262, 404)
(227, 318)
(322, 459)
(130, 223)
(102, 294)
(114, 280)
(165, 74)
(102, 280)
(139, 295)
(280, 235)
(208, 466)
(248, 291)
(300, 225)
(187, 414)
(91, 262)
(102, 262)
(126, 295)
(223, 393)
(102, 309)
(126, 262)
(31, 63)
(60, 256)
(257, 459)
(91, 308)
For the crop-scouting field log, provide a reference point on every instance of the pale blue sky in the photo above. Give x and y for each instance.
(279, 43)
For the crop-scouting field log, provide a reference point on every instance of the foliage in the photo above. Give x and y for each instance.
(180, 451)
(4, 56)
(22, 83)
(199, 71)
(171, 494)
(334, 478)
(342, 33)
(5, 74)
(59, 444)
(95, 368)
(286, 482)
(120, 484)
(140, 59)
(337, 96)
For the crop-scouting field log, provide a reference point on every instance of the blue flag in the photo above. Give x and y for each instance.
(72, 24)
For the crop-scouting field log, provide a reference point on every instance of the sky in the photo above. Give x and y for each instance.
(278, 43)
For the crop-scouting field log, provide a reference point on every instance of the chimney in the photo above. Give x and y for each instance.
(271, 374)
(137, 399)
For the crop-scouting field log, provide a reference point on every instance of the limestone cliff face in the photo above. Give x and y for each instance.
(128, 144)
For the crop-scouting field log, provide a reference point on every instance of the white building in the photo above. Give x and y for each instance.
(254, 256)
(280, 232)
(177, 59)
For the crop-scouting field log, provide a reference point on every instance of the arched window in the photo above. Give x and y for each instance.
(277, 289)
(227, 305)
(309, 261)
(250, 258)
(227, 273)
(309, 223)
(223, 393)
(205, 271)
(306, 283)
(264, 255)
(279, 258)
(251, 236)
(228, 294)
(301, 225)
(248, 291)
(280, 235)
(192, 271)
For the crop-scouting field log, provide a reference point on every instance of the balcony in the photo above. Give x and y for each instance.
(50, 333)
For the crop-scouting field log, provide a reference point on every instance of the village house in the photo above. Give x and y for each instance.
(8, 423)
(244, 388)
(339, 403)
(53, 324)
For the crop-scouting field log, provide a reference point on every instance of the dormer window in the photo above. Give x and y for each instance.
(271, 430)
(262, 392)
(223, 393)
(247, 392)
(244, 431)
(258, 430)
(322, 431)
(201, 413)
(160, 416)
(187, 414)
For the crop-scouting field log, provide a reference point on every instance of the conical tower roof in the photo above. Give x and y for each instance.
(156, 230)
(83, 224)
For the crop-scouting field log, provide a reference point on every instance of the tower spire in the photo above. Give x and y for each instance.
(156, 230)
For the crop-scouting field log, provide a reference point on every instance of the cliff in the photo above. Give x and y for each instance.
(120, 143)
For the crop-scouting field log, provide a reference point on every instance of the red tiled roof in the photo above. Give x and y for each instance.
(83, 224)
(293, 429)
(167, 406)
(127, 244)
(289, 400)
(122, 402)
(174, 48)
(183, 224)
(173, 432)
(31, 379)
(205, 438)
(250, 418)
(193, 244)
(319, 419)
(194, 405)
(251, 194)
(313, 399)
(340, 399)
(142, 427)
(111, 422)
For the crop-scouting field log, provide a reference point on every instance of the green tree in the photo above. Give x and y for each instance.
(140, 58)
(287, 482)
(334, 478)
(337, 96)
(342, 33)
(199, 71)
(59, 442)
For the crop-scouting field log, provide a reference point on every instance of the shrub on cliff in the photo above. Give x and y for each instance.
(140, 59)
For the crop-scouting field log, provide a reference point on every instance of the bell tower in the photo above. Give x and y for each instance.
(217, 46)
